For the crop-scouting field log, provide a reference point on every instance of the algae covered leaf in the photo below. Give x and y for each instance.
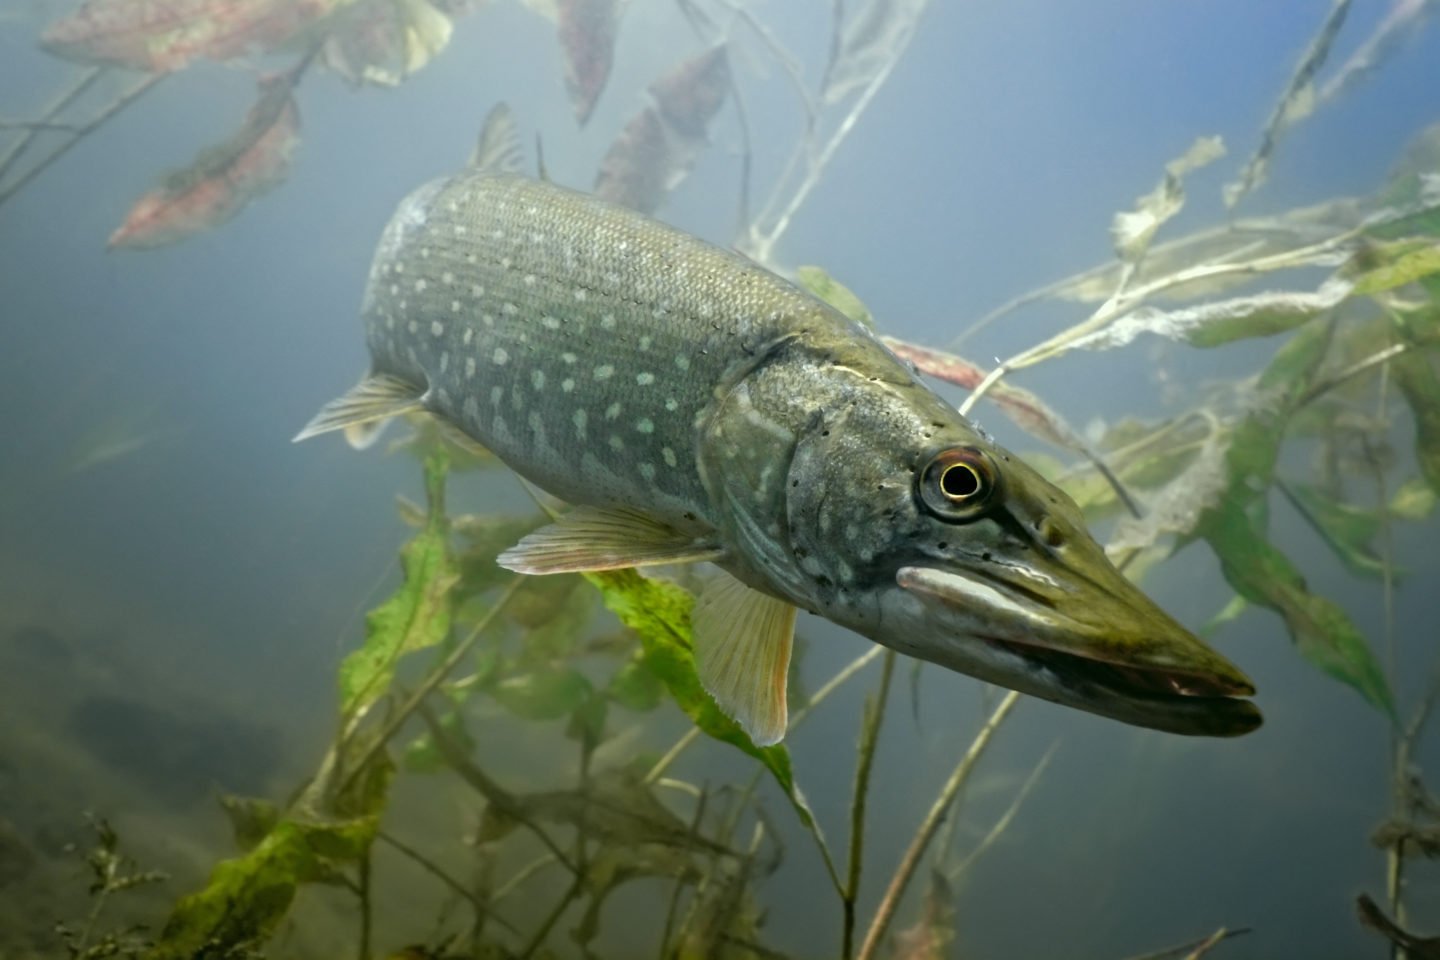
(222, 179)
(417, 616)
(1234, 528)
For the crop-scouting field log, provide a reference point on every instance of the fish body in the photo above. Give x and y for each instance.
(693, 406)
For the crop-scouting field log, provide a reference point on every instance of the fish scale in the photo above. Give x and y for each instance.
(693, 407)
(576, 340)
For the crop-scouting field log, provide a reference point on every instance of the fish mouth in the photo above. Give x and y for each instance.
(1126, 659)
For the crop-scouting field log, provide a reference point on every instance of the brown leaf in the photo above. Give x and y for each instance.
(384, 41)
(222, 180)
(164, 35)
(587, 35)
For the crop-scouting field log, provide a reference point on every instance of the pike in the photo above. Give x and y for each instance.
(692, 406)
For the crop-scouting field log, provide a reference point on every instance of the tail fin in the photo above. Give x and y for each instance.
(363, 411)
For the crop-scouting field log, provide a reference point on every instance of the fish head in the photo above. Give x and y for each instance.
(924, 535)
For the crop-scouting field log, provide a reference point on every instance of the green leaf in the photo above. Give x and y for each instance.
(1347, 530)
(546, 693)
(1415, 500)
(1322, 632)
(1226, 614)
(1390, 265)
(1415, 376)
(825, 287)
(250, 819)
(418, 615)
(660, 613)
(247, 897)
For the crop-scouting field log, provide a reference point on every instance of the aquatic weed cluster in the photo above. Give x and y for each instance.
(460, 636)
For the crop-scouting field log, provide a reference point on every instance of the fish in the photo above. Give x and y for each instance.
(692, 407)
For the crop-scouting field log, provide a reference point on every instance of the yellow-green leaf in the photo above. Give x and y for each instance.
(832, 291)
(418, 615)
(660, 613)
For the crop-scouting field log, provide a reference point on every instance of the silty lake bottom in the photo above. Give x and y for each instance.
(268, 699)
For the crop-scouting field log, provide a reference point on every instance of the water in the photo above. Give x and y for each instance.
(173, 613)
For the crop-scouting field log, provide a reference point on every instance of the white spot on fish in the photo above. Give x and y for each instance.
(612, 278)
(425, 252)
(488, 319)
(579, 418)
(444, 360)
(472, 409)
(616, 443)
(442, 396)
(509, 309)
(671, 405)
(607, 322)
(497, 234)
(436, 328)
(500, 357)
(537, 379)
(469, 366)
(645, 343)
(469, 335)
(569, 358)
(454, 306)
(529, 279)
(707, 309)
(669, 456)
(682, 361)
(413, 326)
(580, 295)
(537, 427)
(476, 290)
(394, 289)
(495, 394)
(461, 230)
(447, 278)
(567, 384)
(645, 425)
(644, 379)
(612, 412)
(604, 372)
(389, 321)
(506, 263)
(647, 470)
(400, 267)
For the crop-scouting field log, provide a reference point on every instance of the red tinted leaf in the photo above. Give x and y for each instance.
(164, 35)
(222, 179)
(660, 144)
(587, 35)
(1025, 410)
(689, 96)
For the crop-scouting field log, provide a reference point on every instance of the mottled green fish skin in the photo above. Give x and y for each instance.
(582, 342)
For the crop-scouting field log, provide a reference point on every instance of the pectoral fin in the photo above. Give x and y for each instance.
(592, 538)
(363, 410)
(742, 653)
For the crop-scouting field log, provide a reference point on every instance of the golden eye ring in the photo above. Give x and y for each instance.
(957, 484)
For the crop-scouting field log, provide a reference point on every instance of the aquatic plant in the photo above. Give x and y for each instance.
(461, 639)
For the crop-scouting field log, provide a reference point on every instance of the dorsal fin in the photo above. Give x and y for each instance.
(540, 158)
(498, 149)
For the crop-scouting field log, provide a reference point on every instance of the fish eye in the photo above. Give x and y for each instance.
(957, 484)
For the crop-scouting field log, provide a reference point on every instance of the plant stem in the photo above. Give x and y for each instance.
(81, 132)
(916, 851)
(1007, 817)
(51, 111)
(869, 737)
(363, 952)
(553, 918)
(831, 685)
(427, 687)
(482, 909)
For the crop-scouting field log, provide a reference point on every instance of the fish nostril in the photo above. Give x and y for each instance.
(1052, 535)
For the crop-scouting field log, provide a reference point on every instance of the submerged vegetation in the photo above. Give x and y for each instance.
(462, 643)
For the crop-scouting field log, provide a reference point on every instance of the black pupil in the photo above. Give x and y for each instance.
(959, 481)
